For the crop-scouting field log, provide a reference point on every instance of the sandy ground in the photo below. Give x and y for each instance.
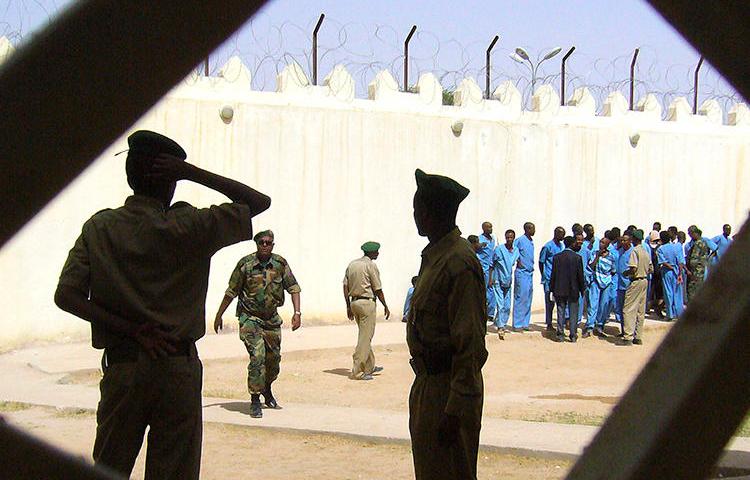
(527, 377)
(237, 452)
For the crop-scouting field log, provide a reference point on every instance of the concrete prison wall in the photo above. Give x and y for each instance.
(340, 171)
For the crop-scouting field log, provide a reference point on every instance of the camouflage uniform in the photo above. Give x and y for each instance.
(260, 288)
(697, 263)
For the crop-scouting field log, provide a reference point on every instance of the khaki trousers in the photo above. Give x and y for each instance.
(433, 461)
(163, 395)
(364, 315)
(634, 309)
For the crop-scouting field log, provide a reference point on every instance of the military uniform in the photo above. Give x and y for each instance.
(634, 307)
(697, 262)
(362, 279)
(146, 263)
(260, 287)
(445, 334)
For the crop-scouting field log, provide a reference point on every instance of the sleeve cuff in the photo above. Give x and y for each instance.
(294, 289)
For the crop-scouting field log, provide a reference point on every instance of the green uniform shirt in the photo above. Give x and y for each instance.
(448, 314)
(260, 287)
(145, 263)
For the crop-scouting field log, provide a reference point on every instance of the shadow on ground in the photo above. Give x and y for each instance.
(344, 372)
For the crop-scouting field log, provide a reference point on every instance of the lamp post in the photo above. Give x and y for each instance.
(522, 57)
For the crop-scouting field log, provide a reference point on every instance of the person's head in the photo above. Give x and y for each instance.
(637, 236)
(371, 249)
(625, 242)
(578, 243)
(510, 236)
(487, 228)
(559, 234)
(727, 230)
(588, 229)
(474, 241)
(608, 235)
(657, 226)
(576, 228)
(414, 280)
(604, 244)
(632, 228)
(681, 236)
(529, 229)
(695, 234)
(569, 241)
(691, 228)
(264, 242)
(665, 237)
(615, 233)
(672, 231)
(144, 147)
(629, 233)
(436, 203)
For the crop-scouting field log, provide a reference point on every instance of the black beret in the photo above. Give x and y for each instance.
(151, 144)
(439, 189)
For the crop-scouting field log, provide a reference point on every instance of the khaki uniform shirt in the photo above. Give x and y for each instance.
(362, 278)
(260, 287)
(144, 263)
(448, 313)
(641, 260)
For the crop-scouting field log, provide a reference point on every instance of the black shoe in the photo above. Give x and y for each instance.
(377, 369)
(573, 339)
(600, 333)
(586, 334)
(637, 341)
(624, 343)
(255, 410)
(270, 400)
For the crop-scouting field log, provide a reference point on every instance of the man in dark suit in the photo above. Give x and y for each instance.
(566, 284)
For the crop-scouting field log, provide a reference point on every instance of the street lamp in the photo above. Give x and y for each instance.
(521, 56)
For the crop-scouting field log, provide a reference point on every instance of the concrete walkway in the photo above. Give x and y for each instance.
(38, 376)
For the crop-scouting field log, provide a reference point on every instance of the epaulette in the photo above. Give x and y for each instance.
(180, 204)
(101, 211)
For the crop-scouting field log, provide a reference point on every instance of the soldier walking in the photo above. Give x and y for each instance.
(445, 334)
(259, 281)
(361, 287)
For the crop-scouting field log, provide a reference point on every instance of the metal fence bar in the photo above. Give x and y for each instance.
(487, 66)
(562, 75)
(406, 57)
(695, 86)
(95, 48)
(632, 77)
(315, 49)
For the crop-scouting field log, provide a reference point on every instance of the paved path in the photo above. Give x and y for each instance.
(43, 371)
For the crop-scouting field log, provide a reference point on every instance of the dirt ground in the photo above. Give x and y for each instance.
(237, 452)
(526, 377)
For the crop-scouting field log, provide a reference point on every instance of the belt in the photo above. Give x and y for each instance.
(362, 298)
(262, 315)
(128, 352)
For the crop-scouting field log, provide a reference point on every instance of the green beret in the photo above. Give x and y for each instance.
(638, 234)
(264, 233)
(151, 144)
(444, 191)
(369, 247)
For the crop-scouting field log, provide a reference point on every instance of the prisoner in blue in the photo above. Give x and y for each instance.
(523, 289)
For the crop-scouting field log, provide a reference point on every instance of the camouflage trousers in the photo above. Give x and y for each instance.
(262, 339)
(694, 282)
